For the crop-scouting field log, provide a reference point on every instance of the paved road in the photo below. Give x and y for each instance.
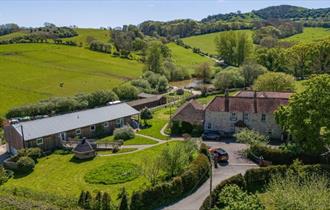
(237, 164)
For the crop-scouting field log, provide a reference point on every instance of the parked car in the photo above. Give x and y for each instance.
(221, 154)
(211, 135)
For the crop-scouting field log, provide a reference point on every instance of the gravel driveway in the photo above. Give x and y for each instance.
(237, 164)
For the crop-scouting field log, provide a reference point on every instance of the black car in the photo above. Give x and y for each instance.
(211, 135)
(219, 154)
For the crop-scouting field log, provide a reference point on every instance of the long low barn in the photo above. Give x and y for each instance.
(47, 133)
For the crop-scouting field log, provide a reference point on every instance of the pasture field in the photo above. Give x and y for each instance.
(98, 34)
(60, 175)
(309, 35)
(30, 72)
(12, 35)
(186, 58)
(206, 42)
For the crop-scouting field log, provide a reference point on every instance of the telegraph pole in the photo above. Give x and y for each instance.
(211, 176)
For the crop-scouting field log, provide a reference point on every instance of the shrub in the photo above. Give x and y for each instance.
(124, 133)
(277, 156)
(4, 175)
(25, 164)
(233, 197)
(126, 92)
(168, 192)
(250, 137)
(237, 180)
(33, 153)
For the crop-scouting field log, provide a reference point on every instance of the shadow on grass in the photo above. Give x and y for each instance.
(77, 160)
(18, 175)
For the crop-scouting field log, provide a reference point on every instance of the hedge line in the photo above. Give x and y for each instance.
(255, 179)
(169, 192)
(280, 157)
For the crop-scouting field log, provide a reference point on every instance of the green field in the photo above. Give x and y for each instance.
(137, 140)
(61, 176)
(309, 35)
(30, 72)
(186, 58)
(98, 34)
(12, 35)
(206, 42)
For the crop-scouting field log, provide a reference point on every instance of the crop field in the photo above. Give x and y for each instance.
(309, 35)
(98, 34)
(30, 72)
(186, 58)
(68, 177)
(206, 42)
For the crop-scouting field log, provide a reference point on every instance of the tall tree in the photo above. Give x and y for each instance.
(300, 59)
(251, 71)
(154, 58)
(307, 116)
(123, 200)
(204, 72)
(274, 81)
(234, 47)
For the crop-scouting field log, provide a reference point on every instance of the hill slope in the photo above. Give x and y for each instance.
(30, 72)
(309, 35)
(98, 34)
(206, 42)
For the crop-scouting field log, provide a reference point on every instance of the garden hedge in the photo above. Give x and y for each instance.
(169, 192)
(280, 157)
(256, 178)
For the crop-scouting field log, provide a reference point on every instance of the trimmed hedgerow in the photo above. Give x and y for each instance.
(124, 133)
(168, 192)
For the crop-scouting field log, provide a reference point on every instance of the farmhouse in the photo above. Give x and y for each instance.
(48, 133)
(228, 114)
(190, 112)
(254, 110)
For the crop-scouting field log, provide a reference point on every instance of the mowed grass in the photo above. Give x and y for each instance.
(30, 72)
(98, 34)
(309, 35)
(159, 120)
(58, 174)
(206, 42)
(186, 58)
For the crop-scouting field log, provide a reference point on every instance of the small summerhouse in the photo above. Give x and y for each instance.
(84, 150)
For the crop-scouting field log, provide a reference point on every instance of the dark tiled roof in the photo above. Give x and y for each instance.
(83, 146)
(191, 112)
(145, 100)
(265, 102)
(264, 94)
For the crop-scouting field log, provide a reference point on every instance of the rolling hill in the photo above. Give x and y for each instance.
(30, 72)
(206, 42)
(309, 35)
(98, 34)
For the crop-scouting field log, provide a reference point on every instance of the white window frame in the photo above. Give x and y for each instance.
(63, 136)
(77, 131)
(233, 116)
(119, 123)
(39, 141)
(106, 124)
(93, 126)
(245, 116)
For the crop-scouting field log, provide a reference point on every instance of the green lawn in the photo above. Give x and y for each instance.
(186, 58)
(309, 35)
(206, 42)
(160, 118)
(98, 34)
(59, 175)
(30, 72)
(137, 140)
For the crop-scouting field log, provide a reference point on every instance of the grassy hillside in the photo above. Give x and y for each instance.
(30, 72)
(309, 35)
(206, 42)
(186, 58)
(12, 35)
(98, 34)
